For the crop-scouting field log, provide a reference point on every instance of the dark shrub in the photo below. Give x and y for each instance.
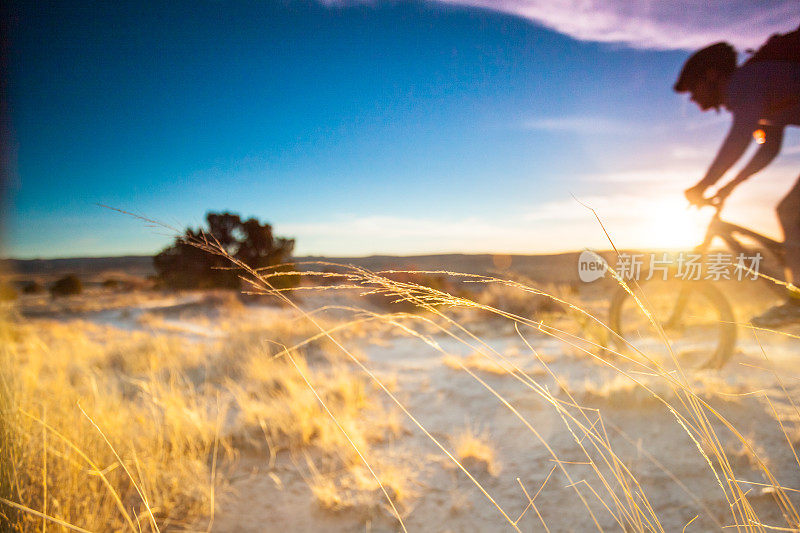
(185, 266)
(32, 287)
(66, 286)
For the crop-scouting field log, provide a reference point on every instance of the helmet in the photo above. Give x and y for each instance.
(719, 56)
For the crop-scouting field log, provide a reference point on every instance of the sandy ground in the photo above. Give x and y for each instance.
(675, 478)
(444, 400)
(642, 431)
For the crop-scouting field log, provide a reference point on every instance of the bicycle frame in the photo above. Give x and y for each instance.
(674, 317)
(727, 232)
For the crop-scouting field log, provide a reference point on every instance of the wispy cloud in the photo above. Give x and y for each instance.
(578, 124)
(644, 23)
(412, 235)
(673, 177)
(632, 216)
(674, 24)
(378, 226)
(791, 150)
(616, 207)
(682, 152)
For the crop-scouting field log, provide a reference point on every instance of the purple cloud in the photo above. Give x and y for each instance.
(658, 24)
(681, 24)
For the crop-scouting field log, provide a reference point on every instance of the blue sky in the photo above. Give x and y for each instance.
(369, 127)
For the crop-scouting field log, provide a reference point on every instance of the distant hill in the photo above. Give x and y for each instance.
(560, 268)
(541, 268)
(135, 265)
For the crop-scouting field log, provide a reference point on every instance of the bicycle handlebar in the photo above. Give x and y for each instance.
(713, 201)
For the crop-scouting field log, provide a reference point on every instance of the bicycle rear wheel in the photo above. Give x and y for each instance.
(696, 318)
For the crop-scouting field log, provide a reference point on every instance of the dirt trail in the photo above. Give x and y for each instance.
(642, 431)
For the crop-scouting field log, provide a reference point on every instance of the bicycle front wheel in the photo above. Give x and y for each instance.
(695, 317)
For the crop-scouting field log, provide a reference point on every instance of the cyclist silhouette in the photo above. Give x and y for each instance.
(764, 98)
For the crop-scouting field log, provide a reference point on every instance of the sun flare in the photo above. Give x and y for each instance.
(669, 224)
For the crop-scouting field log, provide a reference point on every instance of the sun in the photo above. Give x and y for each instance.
(670, 224)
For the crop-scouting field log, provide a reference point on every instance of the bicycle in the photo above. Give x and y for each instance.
(693, 314)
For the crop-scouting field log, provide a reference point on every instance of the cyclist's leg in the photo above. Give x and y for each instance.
(789, 216)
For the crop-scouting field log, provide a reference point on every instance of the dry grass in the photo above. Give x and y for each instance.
(511, 299)
(171, 410)
(160, 413)
(475, 361)
(93, 299)
(622, 495)
(485, 364)
(69, 392)
(474, 450)
(356, 490)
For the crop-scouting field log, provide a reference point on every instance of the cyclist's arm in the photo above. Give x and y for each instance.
(731, 150)
(764, 155)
